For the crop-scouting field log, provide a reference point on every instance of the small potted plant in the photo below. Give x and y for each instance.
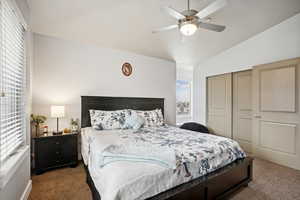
(74, 124)
(37, 121)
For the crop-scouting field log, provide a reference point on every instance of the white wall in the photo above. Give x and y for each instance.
(19, 185)
(64, 71)
(184, 73)
(277, 43)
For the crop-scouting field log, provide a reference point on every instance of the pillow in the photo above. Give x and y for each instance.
(108, 120)
(134, 121)
(160, 117)
(193, 126)
(97, 127)
(151, 117)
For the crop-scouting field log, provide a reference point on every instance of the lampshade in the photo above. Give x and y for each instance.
(57, 111)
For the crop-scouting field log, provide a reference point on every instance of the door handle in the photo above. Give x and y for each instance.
(257, 116)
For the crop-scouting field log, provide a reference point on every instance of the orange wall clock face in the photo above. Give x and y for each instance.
(127, 69)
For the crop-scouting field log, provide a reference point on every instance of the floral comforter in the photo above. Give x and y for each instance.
(196, 154)
(206, 152)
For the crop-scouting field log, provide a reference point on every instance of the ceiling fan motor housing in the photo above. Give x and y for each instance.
(188, 20)
(189, 13)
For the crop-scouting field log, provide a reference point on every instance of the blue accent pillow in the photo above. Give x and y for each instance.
(134, 121)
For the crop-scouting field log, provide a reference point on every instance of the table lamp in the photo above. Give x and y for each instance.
(57, 112)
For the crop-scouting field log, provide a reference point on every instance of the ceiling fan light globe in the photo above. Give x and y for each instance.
(188, 29)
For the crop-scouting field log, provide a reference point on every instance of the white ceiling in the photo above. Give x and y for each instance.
(127, 24)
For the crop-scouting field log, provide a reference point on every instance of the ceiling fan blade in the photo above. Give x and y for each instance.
(212, 27)
(165, 28)
(174, 13)
(213, 7)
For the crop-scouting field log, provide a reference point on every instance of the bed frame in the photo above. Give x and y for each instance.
(219, 184)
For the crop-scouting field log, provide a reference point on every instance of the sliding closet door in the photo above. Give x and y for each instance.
(242, 109)
(219, 104)
(276, 116)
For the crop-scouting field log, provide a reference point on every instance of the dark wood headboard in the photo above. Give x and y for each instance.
(116, 103)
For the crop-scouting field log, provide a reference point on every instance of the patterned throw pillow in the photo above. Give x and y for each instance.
(152, 117)
(160, 117)
(134, 121)
(108, 120)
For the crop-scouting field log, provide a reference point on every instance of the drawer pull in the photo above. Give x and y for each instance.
(57, 161)
(56, 142)
(57, 152)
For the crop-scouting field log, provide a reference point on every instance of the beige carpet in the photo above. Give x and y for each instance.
(271, 181)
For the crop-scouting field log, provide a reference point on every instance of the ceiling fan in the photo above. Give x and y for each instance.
(190, 20)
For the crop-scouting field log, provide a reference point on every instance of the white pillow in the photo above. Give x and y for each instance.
(152, 117)
(108, 120)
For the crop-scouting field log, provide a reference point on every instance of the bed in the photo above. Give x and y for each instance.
(218, 183)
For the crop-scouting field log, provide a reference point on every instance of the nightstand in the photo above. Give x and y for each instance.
(52, 151)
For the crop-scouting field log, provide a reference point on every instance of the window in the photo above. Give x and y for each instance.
(183, 101)
(12, 80)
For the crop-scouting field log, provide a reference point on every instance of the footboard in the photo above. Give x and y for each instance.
(216, 185)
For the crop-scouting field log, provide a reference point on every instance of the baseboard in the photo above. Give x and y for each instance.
(27, 191)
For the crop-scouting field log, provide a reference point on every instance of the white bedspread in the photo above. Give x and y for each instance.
(139, 152)
(127, 180)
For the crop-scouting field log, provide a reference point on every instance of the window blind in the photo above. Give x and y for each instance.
(12, 81)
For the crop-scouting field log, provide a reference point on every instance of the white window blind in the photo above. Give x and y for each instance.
(12, 81)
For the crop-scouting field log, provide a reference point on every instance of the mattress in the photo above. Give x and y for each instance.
(85, 144)
(88, 134)
(197, 153)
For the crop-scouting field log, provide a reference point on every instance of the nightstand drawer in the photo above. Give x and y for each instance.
(55, 151)
(68, 151)
(51, 143)
(48, 152)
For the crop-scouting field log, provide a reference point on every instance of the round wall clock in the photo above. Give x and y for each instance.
(127, 69)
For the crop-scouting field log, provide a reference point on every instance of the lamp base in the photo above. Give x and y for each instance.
(57, 132)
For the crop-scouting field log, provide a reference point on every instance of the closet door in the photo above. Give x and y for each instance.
(242, 109)
(219, 104)
(276, 131)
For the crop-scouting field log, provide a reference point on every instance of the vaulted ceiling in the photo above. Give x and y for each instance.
(127, 24)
